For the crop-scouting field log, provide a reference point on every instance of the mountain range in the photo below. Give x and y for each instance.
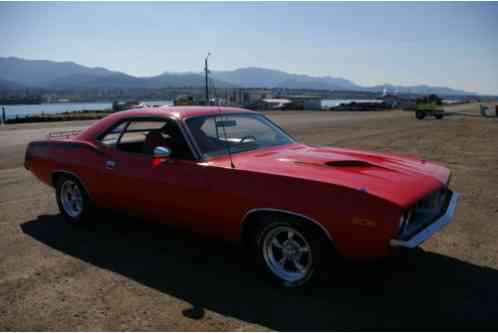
(18, 73)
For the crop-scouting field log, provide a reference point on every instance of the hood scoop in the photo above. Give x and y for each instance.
(348, 163)
(338, 163)
(328, 160)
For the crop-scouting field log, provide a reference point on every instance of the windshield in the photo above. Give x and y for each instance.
(239, 132)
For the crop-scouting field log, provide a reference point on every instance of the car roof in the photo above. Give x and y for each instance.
(178, 112)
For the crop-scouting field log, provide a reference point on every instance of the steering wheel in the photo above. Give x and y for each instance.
(247, 137)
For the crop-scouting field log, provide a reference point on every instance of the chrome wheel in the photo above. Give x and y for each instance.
(287, 253)
(71, 198)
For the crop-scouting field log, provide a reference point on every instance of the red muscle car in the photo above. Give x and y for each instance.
(234, 174)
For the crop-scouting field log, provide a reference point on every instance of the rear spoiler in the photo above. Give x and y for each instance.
(63, 134)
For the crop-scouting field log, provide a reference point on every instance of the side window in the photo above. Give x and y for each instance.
(140, 133)
(112, 137)
(142, 136)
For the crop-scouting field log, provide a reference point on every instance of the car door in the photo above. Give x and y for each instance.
(167, 191)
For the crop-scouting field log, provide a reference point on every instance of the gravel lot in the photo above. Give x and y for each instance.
(124, 275)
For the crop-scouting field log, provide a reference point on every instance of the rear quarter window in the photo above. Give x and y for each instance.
(112, 137)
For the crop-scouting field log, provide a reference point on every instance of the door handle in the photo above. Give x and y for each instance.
(110, 164)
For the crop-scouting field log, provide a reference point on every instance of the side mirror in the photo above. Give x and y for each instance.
(161, 154)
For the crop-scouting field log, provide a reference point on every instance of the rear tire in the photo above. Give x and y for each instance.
(73, 200)
(439, 116)
(289, 252)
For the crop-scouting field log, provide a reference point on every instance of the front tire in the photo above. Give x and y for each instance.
(290, 253)
(73, 200)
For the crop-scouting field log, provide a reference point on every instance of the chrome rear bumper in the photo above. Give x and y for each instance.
(432, 228)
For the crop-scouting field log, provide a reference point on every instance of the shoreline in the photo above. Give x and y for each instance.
(57, 109)
(60, 116)
(98, 114)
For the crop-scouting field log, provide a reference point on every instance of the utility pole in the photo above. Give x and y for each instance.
(206, 73)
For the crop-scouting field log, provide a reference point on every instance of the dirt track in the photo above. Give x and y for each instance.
(123, 275)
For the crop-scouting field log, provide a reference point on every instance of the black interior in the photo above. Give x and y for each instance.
(132, 147)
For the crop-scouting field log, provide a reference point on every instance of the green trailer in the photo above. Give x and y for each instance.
(429, 106)
(429, 110)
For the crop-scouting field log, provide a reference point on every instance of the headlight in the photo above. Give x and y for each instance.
(403, 222)
(401, 226)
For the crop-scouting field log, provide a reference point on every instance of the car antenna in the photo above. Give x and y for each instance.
(227, 143)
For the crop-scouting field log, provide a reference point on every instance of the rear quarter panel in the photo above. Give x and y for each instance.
(39, 160)
(78, 158)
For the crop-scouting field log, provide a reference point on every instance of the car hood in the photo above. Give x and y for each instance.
(401, 180)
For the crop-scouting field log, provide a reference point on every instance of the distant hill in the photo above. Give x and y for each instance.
(270, 78)
(318, 83)
(17, 72)
(39, 73)
(68, 75)
(182, 80)
(93, 81)
(8, 85)
(124, 81)
(263, 77)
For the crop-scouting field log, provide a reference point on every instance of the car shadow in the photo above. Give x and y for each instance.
(424, 291)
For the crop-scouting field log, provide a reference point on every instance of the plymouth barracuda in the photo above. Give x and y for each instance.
(236, 175)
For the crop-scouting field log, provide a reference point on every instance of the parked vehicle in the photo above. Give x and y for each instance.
(430, 105)
(421, 113)
(234, 174)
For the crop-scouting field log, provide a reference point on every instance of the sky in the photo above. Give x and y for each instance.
(442, 44)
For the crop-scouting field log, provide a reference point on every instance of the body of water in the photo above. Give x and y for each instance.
(21, 110)
(328, 103)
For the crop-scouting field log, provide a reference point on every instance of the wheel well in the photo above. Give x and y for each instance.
(257, 219)
(57, 174)
(55, 178)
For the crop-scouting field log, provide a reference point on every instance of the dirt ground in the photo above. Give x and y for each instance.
(124, 275)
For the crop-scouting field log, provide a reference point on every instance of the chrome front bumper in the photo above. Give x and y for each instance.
(432, 228)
